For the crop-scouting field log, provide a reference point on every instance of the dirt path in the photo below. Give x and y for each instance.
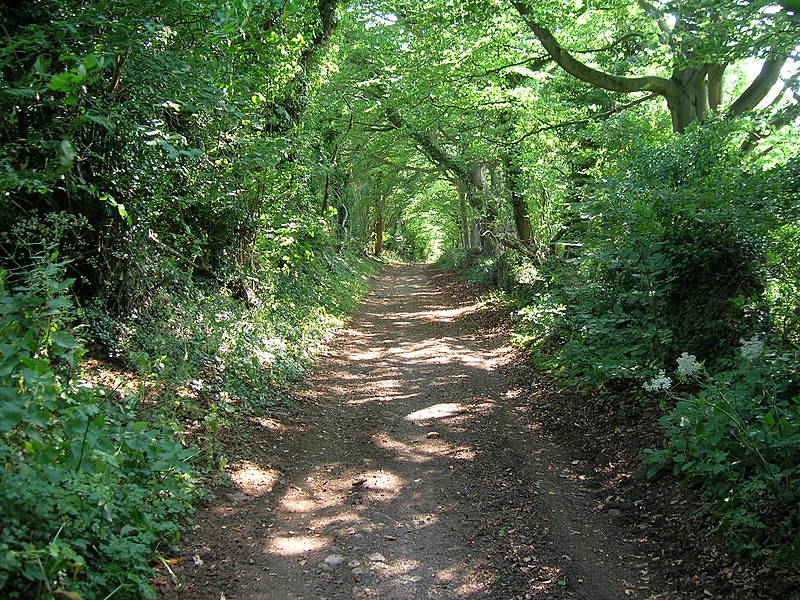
(411, 468)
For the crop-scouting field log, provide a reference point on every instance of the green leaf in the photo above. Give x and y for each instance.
(64, 340)
(96, 118)
(65, 82)
(12, 409)
(67, 156)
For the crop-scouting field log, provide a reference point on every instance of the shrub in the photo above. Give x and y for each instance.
(88, 490)
(673, 255)
(738, 440)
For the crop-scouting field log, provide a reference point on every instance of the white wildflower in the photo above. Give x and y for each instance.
(688, 365)
(752, 348)
(657, 384)
(266, 359)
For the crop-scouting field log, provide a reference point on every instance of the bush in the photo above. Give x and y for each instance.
(475, 266)
(453, 260)
(192, 338)
(673, 258)
(738, 440)
(89, 491)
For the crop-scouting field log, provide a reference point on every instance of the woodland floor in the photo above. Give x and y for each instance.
(423, 459)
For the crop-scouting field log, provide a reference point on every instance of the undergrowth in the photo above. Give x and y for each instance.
(736, 436)
(90, 489)
(98, 478)
(209, 359)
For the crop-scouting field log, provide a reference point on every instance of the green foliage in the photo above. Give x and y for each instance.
(472, 264)
(782, 258)
(193, 338)
(166, 126)
(151, 153)
(672, 260)
(90, 491)
(738, 440)
(208, 181)
(686, 251)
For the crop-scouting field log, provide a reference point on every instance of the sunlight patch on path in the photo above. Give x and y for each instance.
(463, 580)
(405, 381)
(341, 519)
(418, 452)
(437, 411)
(296, 545)
(252, 479)
(445, 315)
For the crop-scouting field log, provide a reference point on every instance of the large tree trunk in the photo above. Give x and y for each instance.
(486, 215)
(463, 218)
(475, 237)
(690, 104)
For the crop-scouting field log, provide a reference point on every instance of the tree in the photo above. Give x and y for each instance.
(697, 44)
(169, 128)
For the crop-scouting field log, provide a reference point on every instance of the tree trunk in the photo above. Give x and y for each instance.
(463, 219)
(519, 205)
(715, 85)
(378, 230)
(690, 93)
(474, 232)
(691, 101)
(478, 196)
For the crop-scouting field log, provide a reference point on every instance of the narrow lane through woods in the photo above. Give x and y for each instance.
(410, 467)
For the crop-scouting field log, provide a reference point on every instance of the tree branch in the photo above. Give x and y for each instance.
(612, 45)
(762, 84)
(598, 116)
(778, 121)
(240, 289)
(715, 75)
(428, 147)
(615, 83)
(513, 245)
(402, 167)
(538, 63)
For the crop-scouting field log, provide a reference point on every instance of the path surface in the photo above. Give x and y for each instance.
(409, 469)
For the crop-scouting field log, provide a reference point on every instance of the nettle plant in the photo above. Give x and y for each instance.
(88, 491)
(737, 439)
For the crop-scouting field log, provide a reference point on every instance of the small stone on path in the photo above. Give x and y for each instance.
(334, 560)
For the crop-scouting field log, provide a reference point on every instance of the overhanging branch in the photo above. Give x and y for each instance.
(404, 167)
(757, 91)
(580, 70)
(585, 120)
